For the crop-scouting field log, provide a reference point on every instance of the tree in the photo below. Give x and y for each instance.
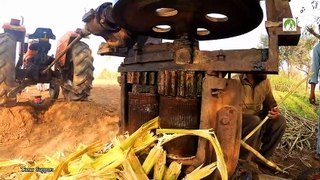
(264, 41)
(285, 58)
(294, 57)
(298, 57)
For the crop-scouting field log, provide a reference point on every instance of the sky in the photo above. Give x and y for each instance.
(63, 16)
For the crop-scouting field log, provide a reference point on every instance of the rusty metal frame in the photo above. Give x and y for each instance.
(164, 57)
(184, 55)
(222, 61)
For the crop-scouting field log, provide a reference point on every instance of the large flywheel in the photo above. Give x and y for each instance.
(199, 19)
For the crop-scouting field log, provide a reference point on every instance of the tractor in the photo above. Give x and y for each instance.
(27, 63)
(186, 87)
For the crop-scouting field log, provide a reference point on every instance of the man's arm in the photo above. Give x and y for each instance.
(312, 96)
(270, 105)
(311, 31)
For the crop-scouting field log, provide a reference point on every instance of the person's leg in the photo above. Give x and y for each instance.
(249, 122)
(273, 131)
(318, 137)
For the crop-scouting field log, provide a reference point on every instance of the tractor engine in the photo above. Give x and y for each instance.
(186, 87)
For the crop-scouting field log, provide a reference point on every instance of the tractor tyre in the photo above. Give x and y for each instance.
(80, 78)
(7, 67)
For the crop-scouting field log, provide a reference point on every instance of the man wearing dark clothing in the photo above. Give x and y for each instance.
(257, 103)
(314, 80)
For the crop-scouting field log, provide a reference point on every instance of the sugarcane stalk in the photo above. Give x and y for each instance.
(151, 159)
(112, 159)
(266, 161)
(64, 164)
(144, 141)
(133, 167)
(173, 171)
(12, 163)
(201, 172)
(129, 142)
(160, 165)
(128, 171)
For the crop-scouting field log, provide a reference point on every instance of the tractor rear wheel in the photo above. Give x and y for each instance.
(81, 77)
(7, 66)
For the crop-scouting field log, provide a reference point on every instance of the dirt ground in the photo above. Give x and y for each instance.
(299, 164)
(30, 131)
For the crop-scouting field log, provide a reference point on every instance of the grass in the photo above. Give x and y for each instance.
(297, 103)
(282, 82)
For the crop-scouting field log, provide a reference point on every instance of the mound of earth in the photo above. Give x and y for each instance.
(30, 131)
(16, 123)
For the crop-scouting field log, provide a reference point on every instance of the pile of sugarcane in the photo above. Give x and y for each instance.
(139, 156)
(300, 133)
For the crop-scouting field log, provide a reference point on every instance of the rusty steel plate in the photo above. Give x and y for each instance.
(199, 19)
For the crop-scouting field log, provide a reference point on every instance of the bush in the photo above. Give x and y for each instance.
(283, 83)
(107, 75)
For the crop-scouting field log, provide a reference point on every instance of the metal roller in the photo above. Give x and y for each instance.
(142, 108)
(180, 113)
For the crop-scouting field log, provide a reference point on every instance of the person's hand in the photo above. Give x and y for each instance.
(274, 113)
(312, 98)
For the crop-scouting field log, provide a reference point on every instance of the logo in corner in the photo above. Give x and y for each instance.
(289, 24)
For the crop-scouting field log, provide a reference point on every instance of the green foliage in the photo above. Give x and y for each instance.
(295, 58)
(284, 83)
(297, 103)
(298, 56)
(107, 75)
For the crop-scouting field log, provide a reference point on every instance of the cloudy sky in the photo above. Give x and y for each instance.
(63, 16)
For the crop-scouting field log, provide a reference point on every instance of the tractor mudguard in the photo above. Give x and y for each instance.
(62, 45)
(8, 26)
(16, 29)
